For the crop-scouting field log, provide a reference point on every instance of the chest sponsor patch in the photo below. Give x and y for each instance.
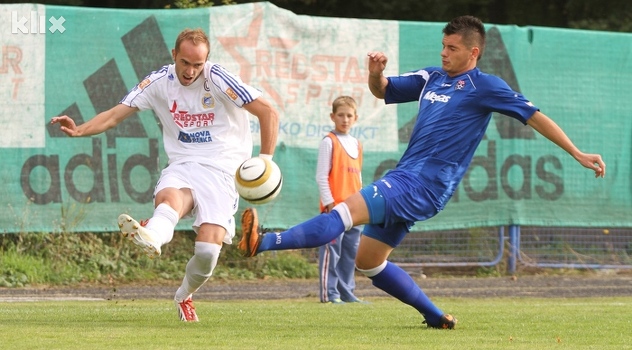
(195, 137)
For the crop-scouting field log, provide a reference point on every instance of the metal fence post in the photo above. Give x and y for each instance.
(514, 248)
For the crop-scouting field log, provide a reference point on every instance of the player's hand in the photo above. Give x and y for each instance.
(66, 125)
(594, 162)
(328, 208)
(377, 63)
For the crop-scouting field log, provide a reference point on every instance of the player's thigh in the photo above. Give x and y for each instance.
(358, 208)
(216, 203)
(173, 188)
(371, 253)
(180, 199)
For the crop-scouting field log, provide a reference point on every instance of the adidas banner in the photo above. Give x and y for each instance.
(81, 61)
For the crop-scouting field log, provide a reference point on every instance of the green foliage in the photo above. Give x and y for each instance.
(385, 323)
(580, 14)
(190, 4)
(490, 271)
(16, 269)
(289, 265)
(67, 258)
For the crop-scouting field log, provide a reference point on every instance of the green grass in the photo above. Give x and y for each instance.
(70, 258)
(492, 323)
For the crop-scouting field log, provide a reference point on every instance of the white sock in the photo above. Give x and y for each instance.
(199, 269)
(374, 271)
(163, 222)
(345, 215)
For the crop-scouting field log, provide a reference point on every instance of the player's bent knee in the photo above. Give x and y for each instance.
(370, 272)
(207, 252)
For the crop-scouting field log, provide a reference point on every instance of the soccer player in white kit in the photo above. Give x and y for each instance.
(203, 110)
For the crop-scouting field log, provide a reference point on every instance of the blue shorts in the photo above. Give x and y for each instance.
(395, 202)
(376, 204)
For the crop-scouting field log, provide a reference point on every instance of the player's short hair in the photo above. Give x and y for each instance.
(344, 101)
(471, 30)
(197, 36)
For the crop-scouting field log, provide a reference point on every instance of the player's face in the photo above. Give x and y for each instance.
(456, 58)
(344, 118)
(189, 60)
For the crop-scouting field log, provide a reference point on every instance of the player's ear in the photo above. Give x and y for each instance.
(173, 54)
(476, 52)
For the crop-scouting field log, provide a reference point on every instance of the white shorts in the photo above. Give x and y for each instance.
(215, 199)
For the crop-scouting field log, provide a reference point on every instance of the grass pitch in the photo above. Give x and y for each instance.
(492, 323)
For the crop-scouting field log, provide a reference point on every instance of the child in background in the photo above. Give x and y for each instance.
(338, 175)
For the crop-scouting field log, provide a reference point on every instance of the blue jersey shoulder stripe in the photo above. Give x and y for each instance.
(232, 82)
(151, 78)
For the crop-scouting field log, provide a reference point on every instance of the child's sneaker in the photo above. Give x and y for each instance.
(356, 300)
(137, 233)
(336, 301)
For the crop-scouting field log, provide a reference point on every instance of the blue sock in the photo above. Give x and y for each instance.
(396, 282)
(312, 233)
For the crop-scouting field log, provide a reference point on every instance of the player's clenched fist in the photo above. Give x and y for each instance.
(377, 62)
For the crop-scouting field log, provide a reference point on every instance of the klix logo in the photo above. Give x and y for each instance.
(36, 24)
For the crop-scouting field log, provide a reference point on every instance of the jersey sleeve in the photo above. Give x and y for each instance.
(499, 97)
(323, 167)
(406, 87)
(232, 86)
(141, 96)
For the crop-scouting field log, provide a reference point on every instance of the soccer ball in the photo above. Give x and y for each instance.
(258, 180)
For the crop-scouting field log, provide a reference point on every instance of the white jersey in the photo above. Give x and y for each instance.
(203, 122)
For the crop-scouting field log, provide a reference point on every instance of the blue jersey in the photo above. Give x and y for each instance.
(453, 115)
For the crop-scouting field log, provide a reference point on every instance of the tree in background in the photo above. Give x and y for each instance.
(578, 14)
(189, 4)
(613, 15)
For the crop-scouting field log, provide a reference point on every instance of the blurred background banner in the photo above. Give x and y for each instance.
(80, 61)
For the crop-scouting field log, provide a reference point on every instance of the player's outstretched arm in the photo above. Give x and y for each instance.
(100, 123)
(549, 129)
(268, 121)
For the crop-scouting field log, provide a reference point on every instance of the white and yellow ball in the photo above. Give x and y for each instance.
(258, 180)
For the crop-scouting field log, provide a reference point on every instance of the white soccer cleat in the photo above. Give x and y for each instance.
(137, 233)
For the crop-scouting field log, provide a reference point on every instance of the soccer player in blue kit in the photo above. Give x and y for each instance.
(456, 102)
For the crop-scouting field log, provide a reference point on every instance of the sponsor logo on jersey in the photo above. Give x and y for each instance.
(208, 101)
(231, 93)
(195, 137)
(184, 119)
(170, 77)
(433, 97)
(206, 87)
(189, 120)
(460, 85)
(375, 191)
(143, 84)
